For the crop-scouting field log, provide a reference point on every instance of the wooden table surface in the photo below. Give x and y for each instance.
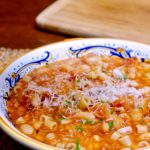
(23, 34)
(17, 24)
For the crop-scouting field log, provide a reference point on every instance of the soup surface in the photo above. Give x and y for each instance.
(87, 103)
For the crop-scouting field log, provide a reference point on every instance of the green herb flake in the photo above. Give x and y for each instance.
(61, 118)
(77, 144)
(78, 81)
(79, 129)
(87, 122)
(110, 124)
(67, 103)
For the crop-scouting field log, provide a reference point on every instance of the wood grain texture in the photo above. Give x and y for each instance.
(128, 19)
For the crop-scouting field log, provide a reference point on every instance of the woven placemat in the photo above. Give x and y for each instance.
(8, 55)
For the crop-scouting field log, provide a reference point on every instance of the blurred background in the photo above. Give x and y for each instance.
(25, 24)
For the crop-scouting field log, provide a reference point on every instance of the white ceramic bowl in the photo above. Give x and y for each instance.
(51, 53)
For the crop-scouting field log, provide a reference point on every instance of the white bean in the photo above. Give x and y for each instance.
(50, 136)
(20, 120)
(125, 130)
(27, 129)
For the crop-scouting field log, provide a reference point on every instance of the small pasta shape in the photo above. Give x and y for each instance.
(141, 128)
(125, 140)
(27, 129)
(45, 118)
(85, 115)
(115, 136)
(37, 124)
(50, 136)
(66, 121)
(52, 125)
(20, 120)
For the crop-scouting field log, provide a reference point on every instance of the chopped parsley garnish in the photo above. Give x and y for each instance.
(87, 122)
(79, 128)
(67, 103)
(110, 124)
(61, 118)
(78, 81)
(77, 144)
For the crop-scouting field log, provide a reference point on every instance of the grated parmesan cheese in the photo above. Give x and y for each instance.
(108, 92)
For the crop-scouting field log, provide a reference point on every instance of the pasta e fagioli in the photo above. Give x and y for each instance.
(92, 102)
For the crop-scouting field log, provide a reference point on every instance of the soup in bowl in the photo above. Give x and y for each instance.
(88, 94)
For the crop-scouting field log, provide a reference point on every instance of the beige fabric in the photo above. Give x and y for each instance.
(8, 55)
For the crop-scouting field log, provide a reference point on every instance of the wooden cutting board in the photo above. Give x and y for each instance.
(125, 19)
